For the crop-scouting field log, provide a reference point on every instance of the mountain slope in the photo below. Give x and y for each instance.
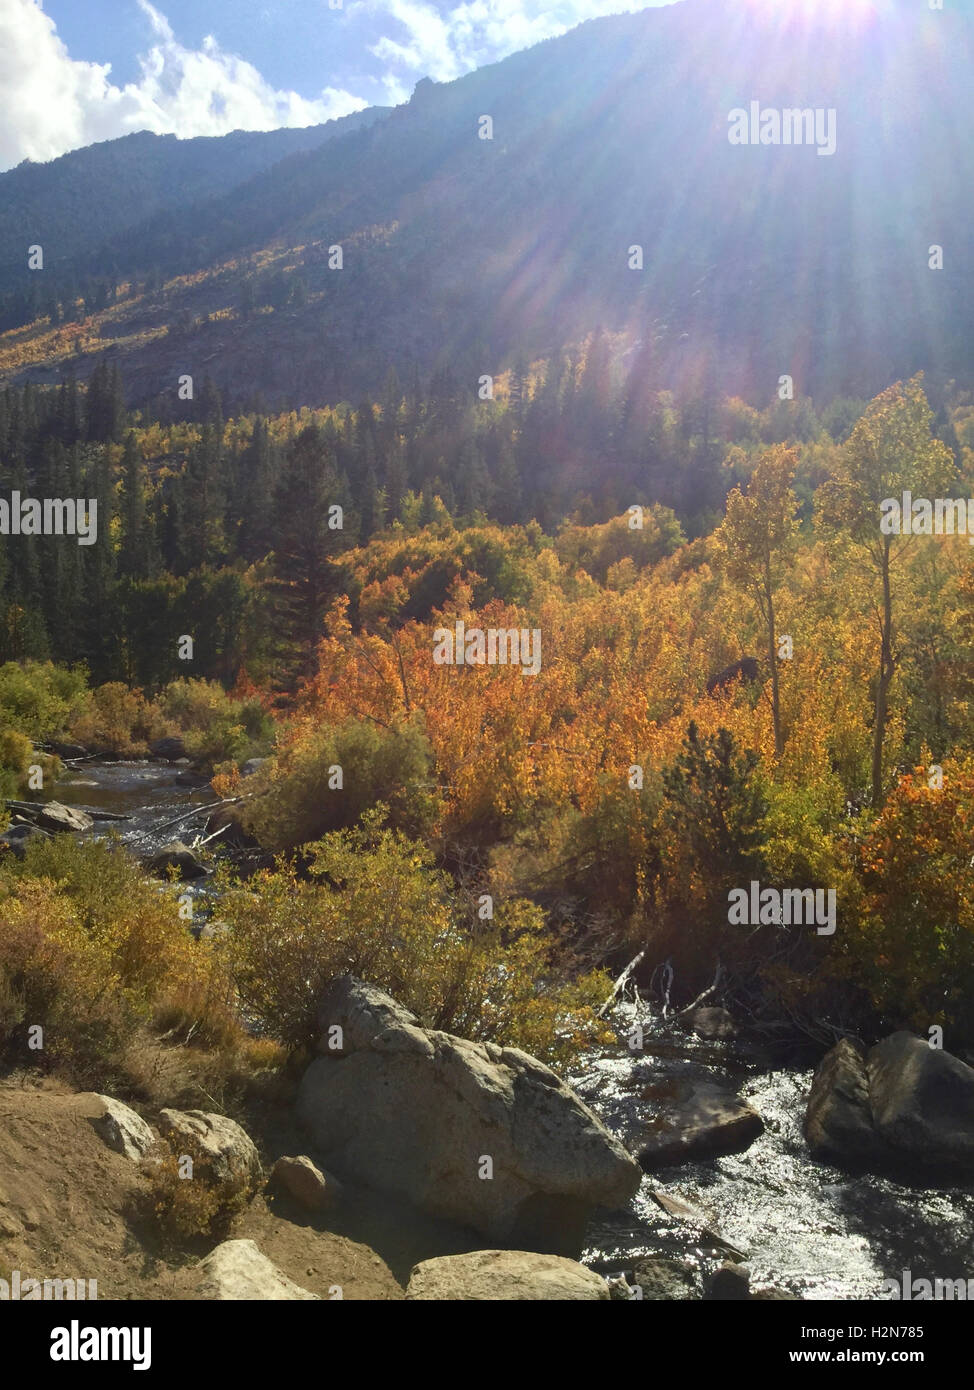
(74, 204)
(759, 261)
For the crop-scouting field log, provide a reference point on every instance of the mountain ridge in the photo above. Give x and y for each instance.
(757, 263)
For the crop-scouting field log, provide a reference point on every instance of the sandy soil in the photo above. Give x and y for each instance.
(66, 1211)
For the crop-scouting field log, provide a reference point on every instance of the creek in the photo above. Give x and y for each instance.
(801, 1225)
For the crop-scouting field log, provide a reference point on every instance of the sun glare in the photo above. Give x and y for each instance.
(838, 12)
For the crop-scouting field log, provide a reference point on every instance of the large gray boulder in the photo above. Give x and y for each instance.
(61, 819)
(224, 1149)
(838, 1120)
(237, 1271)
(902, 1105)
(480, 1134)
(922, 1102)
(495, 1275)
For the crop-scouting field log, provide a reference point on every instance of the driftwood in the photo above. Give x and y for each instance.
(621, 983)
(201, 811)
(198, 843)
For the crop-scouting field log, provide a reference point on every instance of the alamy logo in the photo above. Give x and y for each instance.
(77, 1343)
(782, 907)
(54, 516)
(918, 516)
(911, 1290)
(497, 646)
(768, 125)
(18, 1289)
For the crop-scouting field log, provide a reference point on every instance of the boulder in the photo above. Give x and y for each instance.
(922, 1102)
(176, 856)
(480, 1134)
(838, 1119)
(122, 1129)
(729, 1284)
(226, 1151)
(171, 748)
(497, 1275)
(67, 751)
(236, 1271)
(715, 1025)
(16, 838)
(699, 1120)
(902, 1106)
(61, 819)
(251, 766)
(308, 1185)
(665, 1280)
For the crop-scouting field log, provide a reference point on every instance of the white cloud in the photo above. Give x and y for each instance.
(52, 103)
(445, 44)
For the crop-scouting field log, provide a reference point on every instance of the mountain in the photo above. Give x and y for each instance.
(73, 205)
(759, 260)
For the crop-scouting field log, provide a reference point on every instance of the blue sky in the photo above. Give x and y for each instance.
(76, 71)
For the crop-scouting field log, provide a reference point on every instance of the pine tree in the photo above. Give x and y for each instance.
(305, 577)
(133, 559)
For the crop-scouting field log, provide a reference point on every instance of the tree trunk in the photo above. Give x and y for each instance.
(779, 746)
(882, 688)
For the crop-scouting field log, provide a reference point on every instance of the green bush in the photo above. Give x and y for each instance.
(296, 801)
(39, 699)
(376, 907)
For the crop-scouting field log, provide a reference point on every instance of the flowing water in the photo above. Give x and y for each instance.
(149, 794)
(801, 1225)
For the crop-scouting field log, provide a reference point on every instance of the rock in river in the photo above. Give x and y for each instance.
(902, 1105)
(696, 1119)
(61, 819)
(176, 856)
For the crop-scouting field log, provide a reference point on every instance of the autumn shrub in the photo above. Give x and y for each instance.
(599, 549)
(118, 720)
(16, 757)
(63, 1006)
(376, 907)
(724, 824)
(327, 777)
(914, 946)
(91, 952)
(184, 1205)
